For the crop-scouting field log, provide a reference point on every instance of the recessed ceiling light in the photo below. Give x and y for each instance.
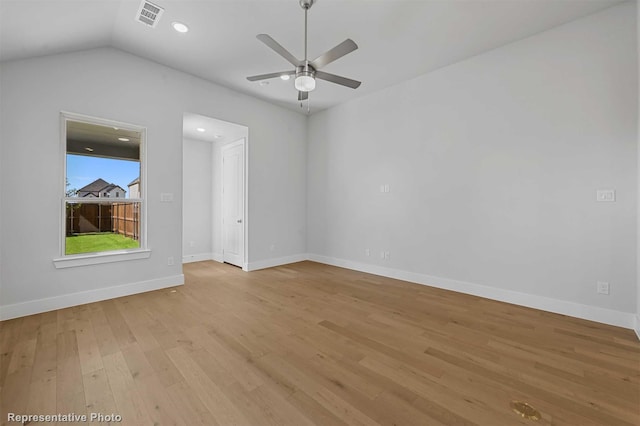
(285, 77)
(124, 139)
(179, 27)
(217, 136)
(200, 129)
(89, 149)
(264, 83)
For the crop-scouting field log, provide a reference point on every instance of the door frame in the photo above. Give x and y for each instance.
(245, 194)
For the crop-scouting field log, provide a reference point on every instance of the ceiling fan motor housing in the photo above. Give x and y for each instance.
(307, 70)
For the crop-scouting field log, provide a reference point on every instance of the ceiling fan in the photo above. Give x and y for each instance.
(306, 71)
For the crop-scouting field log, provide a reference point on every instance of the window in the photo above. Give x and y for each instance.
(101, 159)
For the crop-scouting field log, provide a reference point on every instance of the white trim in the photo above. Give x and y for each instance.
(270, 263)
(98, 258)
(637, 326)
(102, 200)
(592, 313)
(74, 299)
(200, 257)
(217, 257)
(245, 264)
(72, 116)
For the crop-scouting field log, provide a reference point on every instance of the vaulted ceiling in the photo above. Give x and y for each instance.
(398, 40)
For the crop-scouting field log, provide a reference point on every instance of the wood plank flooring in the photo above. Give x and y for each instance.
(310, 344)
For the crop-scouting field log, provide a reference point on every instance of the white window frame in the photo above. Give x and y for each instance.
(82, 259)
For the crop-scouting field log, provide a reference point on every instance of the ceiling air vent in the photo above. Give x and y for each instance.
(149, 13)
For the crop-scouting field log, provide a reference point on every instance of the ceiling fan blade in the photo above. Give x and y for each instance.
(266, 39)
(271, 75)
(344, 81)
(337, 52)
(303, 95)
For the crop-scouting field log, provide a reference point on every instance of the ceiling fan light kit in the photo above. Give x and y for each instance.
(307, 71)
(305, 81)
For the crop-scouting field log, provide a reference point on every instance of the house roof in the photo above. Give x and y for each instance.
(100, 185)
(133, 182)
(95, 186)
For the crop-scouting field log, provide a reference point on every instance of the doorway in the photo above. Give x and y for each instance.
(215, 223)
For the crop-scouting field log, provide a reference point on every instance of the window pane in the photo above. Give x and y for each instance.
(98, 227)
(94, 177)
(102, 163)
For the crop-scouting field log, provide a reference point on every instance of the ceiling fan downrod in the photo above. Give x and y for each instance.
(306, 5)
(306, 73)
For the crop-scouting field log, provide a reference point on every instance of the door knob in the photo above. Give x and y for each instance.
(239, 221)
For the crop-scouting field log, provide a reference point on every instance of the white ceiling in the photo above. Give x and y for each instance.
(217, 131)
(398, 39)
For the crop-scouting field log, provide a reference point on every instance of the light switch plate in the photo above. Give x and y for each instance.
(606, 195)
(166, 197)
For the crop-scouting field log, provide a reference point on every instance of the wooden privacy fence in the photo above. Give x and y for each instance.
(121, 218)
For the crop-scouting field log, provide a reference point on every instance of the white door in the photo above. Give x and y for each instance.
(233, 203)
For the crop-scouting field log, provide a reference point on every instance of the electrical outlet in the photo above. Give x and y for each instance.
(367, 252)
(387, 255)
(602, 287)
(169, 261)
(192, 243)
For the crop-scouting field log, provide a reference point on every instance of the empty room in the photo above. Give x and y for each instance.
(319, 212)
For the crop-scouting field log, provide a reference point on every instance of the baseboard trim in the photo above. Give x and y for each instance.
(217, 257)
(637, 326)
(200, 257)
(592, 313)
(270, 263)
(74, 299)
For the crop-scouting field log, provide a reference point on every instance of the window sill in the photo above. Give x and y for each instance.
(98, 258)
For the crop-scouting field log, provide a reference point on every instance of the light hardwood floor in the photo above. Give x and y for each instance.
(309, 344)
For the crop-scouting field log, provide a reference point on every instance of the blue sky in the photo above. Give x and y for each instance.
(82, 170)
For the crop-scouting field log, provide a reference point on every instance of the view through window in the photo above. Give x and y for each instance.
(102, 192)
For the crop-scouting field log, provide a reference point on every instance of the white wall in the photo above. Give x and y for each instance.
(493, 165)
(637, 325)
(108, 83)
(197, 195)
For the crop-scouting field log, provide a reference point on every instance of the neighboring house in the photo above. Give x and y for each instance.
(134, 188)
(101, 189)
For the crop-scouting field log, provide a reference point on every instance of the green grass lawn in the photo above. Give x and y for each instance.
(91, 243)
